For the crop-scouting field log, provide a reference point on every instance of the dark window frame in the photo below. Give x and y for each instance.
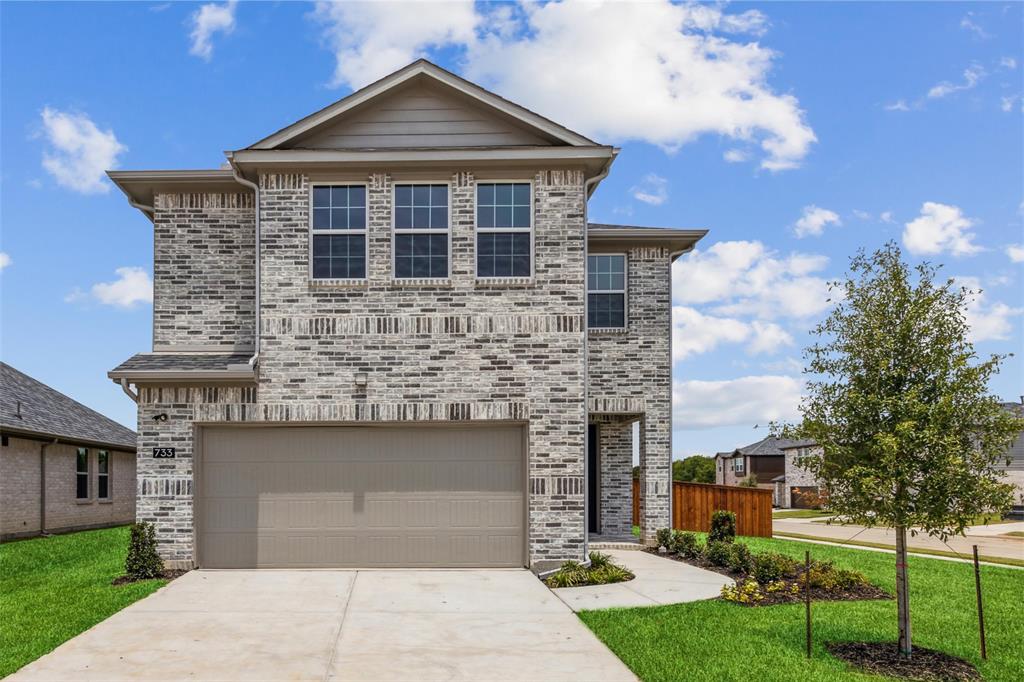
(397, 231)
(624, 291)
(103, 477)
(315, 232)
(79, 474)
(510, 230)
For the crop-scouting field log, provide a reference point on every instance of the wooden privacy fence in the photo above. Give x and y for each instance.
(693, 504)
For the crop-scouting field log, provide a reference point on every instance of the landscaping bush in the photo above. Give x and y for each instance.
(143, 562)
(823, 575)
(664, 537)
(740, 558)
(723, 526)
(570, 574)
(686, 545)
(598, 560)
(718, 553)
(600, 572)
(745, 593)
(771, 566)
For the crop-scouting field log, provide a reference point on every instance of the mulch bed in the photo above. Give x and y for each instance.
(166, 575)
(883, 658)
(859, 593)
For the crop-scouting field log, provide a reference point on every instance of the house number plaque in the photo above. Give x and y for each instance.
(163, 453)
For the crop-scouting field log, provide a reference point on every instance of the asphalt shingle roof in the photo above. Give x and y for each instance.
(154, 362)
(47, 412)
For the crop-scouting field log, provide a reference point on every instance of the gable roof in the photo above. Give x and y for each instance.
(420, 72)
(30, 407)
(766, 447)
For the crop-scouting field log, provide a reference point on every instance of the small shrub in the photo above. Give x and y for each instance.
(723, 526)
(570, 574)
(747, 592)
(748, 482)
(598, 560)
(771, 566)
(718, 553)
(600, 572)
(664, 537)
(825, 576)
(740, 558)
(143, 562)
(609, 573)
(686, 545)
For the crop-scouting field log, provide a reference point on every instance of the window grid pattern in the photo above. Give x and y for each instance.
(504, 221)
(421, 231)
(82, 474)
(606, 291)
(103, 475)
(339, 232)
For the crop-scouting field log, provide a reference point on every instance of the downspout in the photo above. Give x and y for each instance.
(240, 179)
(42, 485)
(134, 395)
(588, 187)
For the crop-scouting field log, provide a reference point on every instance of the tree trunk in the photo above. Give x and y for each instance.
(902, 591)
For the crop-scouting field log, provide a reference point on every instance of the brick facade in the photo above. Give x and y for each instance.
(20, 469)
(796, 476)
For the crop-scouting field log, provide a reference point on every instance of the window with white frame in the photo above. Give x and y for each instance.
(606, 291)
(738, 465)
(504, 224)
(421, 231)
(339, 232)
(82, 474)
(103, 475)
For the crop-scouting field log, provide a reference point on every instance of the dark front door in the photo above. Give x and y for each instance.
(593, 478)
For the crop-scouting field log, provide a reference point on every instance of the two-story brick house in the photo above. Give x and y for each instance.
(386, 335)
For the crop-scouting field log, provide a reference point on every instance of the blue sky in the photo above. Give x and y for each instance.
(796, 132)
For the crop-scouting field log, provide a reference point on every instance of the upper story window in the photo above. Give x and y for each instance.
(82, 474)
(421, 231)
(504, 223)
(738, 465)
(606, 291)
(339, 232)
(103, 475)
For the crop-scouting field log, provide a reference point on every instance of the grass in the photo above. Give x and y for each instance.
(801, 514)
(1015, 533)
(51, 589)
(1009, 561)
(716, 640)
(636, 531)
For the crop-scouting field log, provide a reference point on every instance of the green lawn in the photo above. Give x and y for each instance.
(1015, 533)
(53, 588)
(716, 640)
(801, 514)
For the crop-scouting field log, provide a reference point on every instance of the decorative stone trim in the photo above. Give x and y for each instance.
(432, 325)
(556, 485)
(200, 395)
(205, 200)
(445, 283)
(339, 283)
(616, 405)
(272, 181)
(363, 412)
(165, 486)
(504, 282)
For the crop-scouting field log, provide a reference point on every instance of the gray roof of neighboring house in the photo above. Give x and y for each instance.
(765, 447)
(185, 366)
(31, 407)
(802, 443)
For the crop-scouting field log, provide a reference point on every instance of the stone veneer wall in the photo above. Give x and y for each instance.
(454, 350)
(615, 453)
(631, 372)
(796, 476)
(203, 270)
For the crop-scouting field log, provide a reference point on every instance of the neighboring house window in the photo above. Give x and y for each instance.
(606, 291)
(339, 232)
(504, 223)
(103, 475)
(82, 474)
(738, 465)
(421, 231)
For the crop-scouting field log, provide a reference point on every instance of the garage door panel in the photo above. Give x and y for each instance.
(361, 496)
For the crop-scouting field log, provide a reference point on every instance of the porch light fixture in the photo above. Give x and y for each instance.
(162, 417)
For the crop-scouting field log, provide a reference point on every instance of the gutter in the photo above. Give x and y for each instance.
(242, 180)
(588, 186)
(134, 395)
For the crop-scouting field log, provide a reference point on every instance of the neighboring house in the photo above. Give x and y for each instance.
(1015, 469)
(798, 488)
(386, 335)
(763, 459)
(62, 466)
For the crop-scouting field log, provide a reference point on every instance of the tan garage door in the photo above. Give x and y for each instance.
(361, 496)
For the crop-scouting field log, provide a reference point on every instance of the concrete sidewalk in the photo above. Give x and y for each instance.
(338, 625)
(658, 581)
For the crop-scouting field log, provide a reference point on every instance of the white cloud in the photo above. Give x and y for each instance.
(972, 76)
(1006, 103)
(372, 39)
(1008, 63)
(745, 278)
(898, 105)
(653, 190)
(694, 333)
(79, 153)
(208, 20)
(940, 228)
(657, 72)
(862, 215)
(735, 156)
(886, 217)
(744, 401)
(969, 24)
(5, 260)
(987, 321)
(132, 286)
(1015, 252)
(814, 220)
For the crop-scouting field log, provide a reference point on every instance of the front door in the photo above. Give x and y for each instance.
(593, 481)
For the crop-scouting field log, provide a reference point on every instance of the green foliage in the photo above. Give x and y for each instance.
(686, 545)
(723, 526)
(663, 536)
(746, 592)
(771, 566)
(740, 558)
(142, 561)
(825, 576)
(748, 481)
(600, 572)
(694, 469)
(899, 403)
(599, 560)
(570, 574)
(718, 553)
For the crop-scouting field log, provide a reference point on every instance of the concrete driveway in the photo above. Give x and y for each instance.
(338, 625)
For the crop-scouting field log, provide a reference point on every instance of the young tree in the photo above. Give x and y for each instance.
(898, 402)
(695, 468)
